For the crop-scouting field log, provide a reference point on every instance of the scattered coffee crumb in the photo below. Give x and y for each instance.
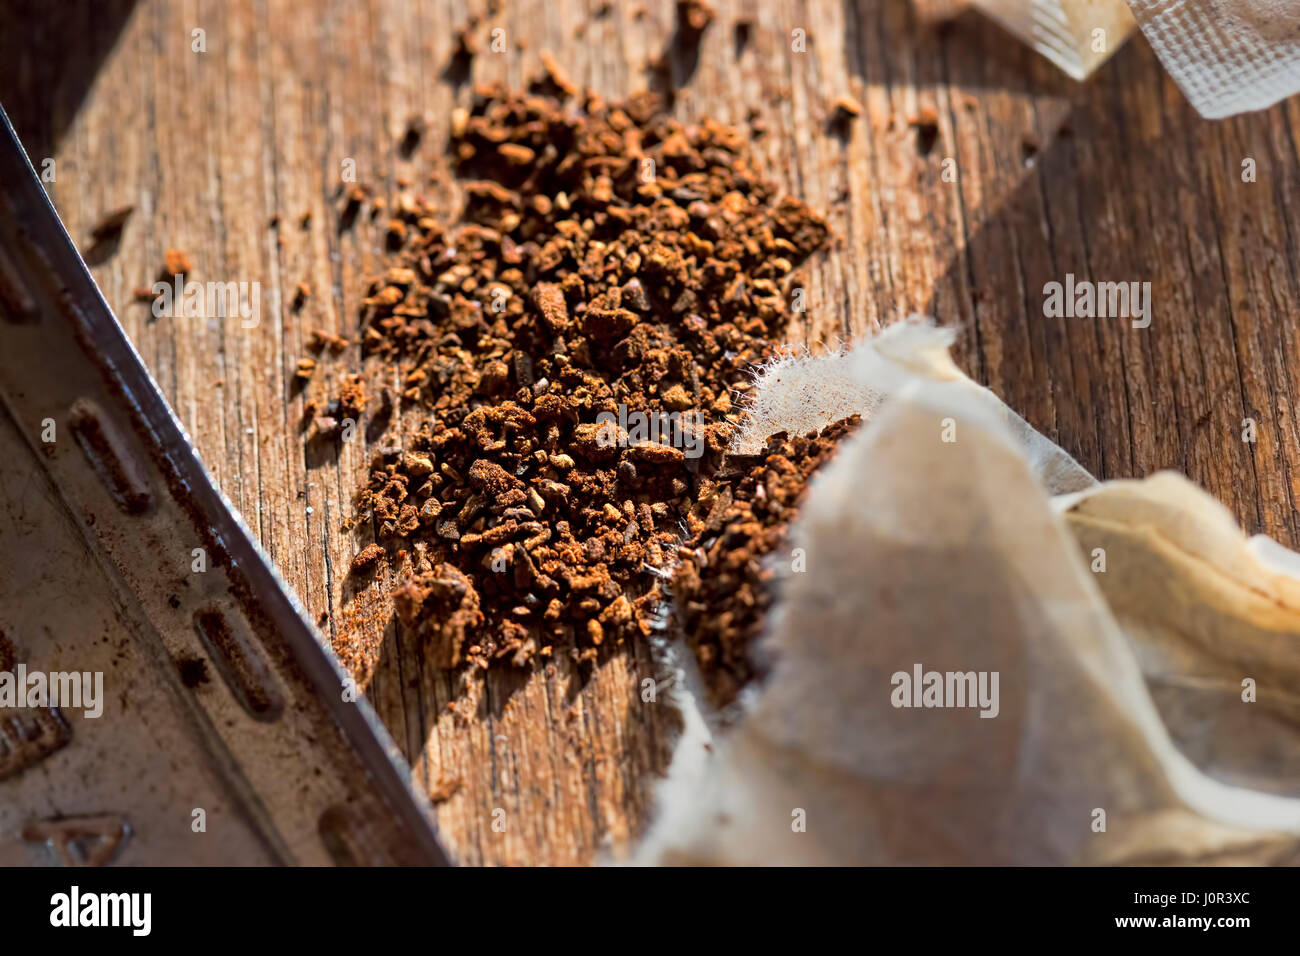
(926, 124)
(176, 262)
(351, 401)
(847, 107)
(396, 233)
(464, 49)
(742, 33)
(320, 340)
(694, 17)
(110, 226)
(415, 127)
(445, 789)
(353, 199)
(465, 43)
(843, 112)
(727, 577)
(367, 558)
(556, 75)
(1028, 150)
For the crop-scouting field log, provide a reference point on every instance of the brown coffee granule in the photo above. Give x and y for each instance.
(725, 582)
(110, 226)
(445, 789)
(320, 340)
(176, 262)
(846, 108)
(415, 129)
(466, 45)
(352, 397)
(926, 124)
(742, 34)
(635, 265)
(557, 77)
(367, 558)
(694, 16)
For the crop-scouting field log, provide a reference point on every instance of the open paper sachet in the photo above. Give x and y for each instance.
(1228, 57)
(991, 658)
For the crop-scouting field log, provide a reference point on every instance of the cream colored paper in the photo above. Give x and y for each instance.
(1227, 56)
(955, 556)
(1207, 609)
(1077, 35)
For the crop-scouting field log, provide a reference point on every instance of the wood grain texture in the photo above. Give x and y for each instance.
(1115, 179)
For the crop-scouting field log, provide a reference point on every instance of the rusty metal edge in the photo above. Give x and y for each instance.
(173, 454)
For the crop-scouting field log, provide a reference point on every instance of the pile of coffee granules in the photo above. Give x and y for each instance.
(726, 579)
(606, 255)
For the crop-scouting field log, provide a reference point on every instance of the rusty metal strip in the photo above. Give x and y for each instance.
(103, 501)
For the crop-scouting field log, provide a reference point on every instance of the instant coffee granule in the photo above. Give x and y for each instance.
(727, 577)
(608, 259)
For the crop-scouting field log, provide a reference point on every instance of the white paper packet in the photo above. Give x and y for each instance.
(1227, 56)
(954, 557)
(1077, 35)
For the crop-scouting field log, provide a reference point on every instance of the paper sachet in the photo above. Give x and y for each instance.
(1077, 35)
(1213, 616)
(1228, 56)
(949, 557)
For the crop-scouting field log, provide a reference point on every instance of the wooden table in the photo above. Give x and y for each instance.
(1115, 179)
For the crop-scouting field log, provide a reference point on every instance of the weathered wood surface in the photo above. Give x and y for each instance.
(1115, 179)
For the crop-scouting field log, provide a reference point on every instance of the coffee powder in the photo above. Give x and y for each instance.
(608, 259)
(728, 575)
